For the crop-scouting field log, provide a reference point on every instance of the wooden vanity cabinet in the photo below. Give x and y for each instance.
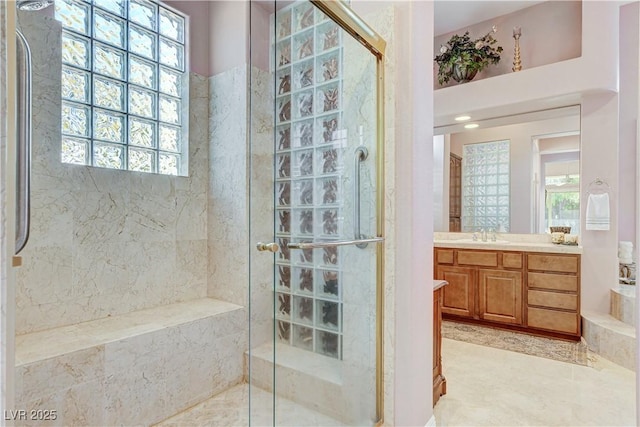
(459, 296)
(480, 286)
(536, 292)
(553, 293)
(500, 296)
(439, 381)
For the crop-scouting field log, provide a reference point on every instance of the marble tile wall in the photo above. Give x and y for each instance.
(139, 378)
(309, 379)
(106, 242)
(359, 264)
(384, 22)
(623, 303)
(262, 205)
(228, 206)
(241, 178)
(610, 338)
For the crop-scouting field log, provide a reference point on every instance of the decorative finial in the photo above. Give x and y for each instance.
(517, 64)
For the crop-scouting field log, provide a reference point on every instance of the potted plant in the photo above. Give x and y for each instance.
(462, 58)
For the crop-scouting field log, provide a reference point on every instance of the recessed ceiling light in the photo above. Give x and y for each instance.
(462, 118)
(471, 126)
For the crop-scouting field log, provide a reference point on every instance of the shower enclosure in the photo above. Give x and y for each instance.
(260, 263)
(316, 208)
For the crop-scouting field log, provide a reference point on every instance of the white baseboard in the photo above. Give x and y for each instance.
(431, 422)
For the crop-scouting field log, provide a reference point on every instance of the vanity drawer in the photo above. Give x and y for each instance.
(480, 258)
(444, 256)
(552, 320)
(553, 299)
(558, 263)
(555, 282)
(511, 260)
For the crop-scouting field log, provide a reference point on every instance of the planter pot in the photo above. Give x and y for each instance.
(462, 74)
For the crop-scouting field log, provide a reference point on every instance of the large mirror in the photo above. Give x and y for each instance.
(515, 174)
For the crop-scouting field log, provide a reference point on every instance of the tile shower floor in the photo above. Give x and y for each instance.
(485, 387)
(229, 409)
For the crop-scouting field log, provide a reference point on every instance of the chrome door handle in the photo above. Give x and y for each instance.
(360, 243)
(267, 247)
(361, 155)
(23, 150)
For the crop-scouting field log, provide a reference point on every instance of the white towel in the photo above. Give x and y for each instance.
(598, 212)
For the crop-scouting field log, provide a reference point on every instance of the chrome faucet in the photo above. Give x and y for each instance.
(483, 235)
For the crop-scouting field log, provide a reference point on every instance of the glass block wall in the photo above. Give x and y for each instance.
(485, 186)
(307, 63)
(122, 77)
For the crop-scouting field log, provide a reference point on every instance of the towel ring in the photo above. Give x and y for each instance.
(598, 186)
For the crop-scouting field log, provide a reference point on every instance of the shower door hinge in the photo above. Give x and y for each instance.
(267, 247)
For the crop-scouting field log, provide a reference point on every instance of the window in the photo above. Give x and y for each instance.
(562, 194)
(485, 186)
(123, 63)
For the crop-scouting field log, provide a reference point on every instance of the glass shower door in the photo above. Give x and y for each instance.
(321, 361)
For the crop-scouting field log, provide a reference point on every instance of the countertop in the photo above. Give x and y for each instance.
(505, 242)
(437, 284)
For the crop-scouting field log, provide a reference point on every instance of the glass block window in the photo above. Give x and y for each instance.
(485, 186)
(123, 63)
(310, 139)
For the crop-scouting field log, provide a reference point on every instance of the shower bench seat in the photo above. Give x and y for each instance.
(135, 368)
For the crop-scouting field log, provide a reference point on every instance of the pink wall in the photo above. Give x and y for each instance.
(560, 143)
(636, 51)
(550, 33)
(599, 155)
(599, 159)
(260, 36)
(629, 35)
(413, 225)
(198, 13)
(229, 35)
(218, 34)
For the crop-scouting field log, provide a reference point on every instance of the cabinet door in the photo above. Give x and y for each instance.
(459, 295)
(439, 382)
(437, 331)
(500, 298)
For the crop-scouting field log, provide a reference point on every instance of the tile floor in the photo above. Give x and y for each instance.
(492, 387)
(485, 387)
(229, 409)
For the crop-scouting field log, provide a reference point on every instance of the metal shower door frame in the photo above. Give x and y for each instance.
(355, 26)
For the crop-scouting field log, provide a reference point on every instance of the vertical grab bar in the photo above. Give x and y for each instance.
(23, 151)
(361, 154)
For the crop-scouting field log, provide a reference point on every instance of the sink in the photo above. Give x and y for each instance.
(488, 242)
